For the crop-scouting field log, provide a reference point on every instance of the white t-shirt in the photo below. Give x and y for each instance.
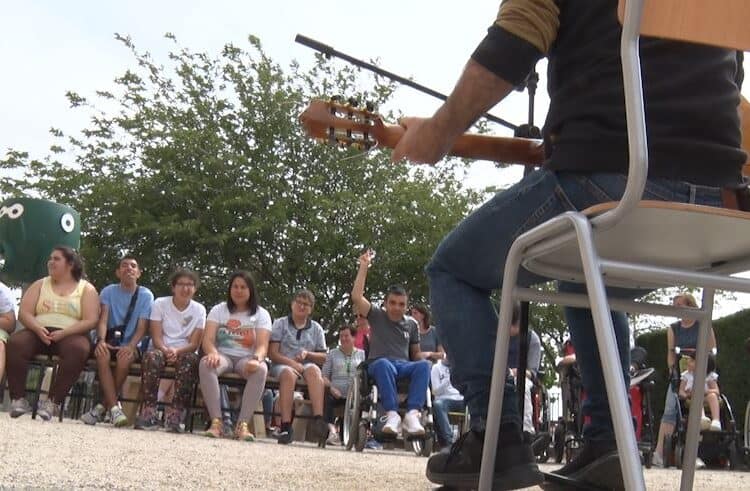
(177, 325)
(688, 378)
(235, 335)
(6, 300)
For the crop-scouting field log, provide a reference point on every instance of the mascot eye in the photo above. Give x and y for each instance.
(15, 211)
(67, 222)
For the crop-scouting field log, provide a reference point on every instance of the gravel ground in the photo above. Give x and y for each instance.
(73, 455)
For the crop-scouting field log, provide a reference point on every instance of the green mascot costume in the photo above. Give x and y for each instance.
(29, 229)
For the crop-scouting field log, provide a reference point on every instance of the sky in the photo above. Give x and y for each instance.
(49, 47)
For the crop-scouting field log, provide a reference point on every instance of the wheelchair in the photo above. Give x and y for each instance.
(641, 389)
(717, 449)
(567, 438)
(363, 416)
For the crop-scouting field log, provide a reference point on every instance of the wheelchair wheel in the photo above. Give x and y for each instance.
(747, 425)
(352, 414)
(679, 450)
(559, 445)
(422, 446)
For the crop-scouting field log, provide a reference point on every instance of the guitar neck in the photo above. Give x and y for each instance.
(480, 147)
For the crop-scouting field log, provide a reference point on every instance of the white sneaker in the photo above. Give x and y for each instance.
(48, 410)
(95, 415)
(392, 424)
(19, 407)
(715, 425)
(656, 460)
(705, 423)
(699, 464)
(412, 424)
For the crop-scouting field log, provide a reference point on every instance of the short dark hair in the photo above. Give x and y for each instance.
(127, 257)
(184, 273)
(396, 290)
(73, 258)
(352, 329)
(248, 279)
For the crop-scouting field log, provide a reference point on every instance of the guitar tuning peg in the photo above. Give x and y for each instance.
(370, 106)
(336, 98)
(353, 101)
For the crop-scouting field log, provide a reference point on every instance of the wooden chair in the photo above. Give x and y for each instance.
(596, 246)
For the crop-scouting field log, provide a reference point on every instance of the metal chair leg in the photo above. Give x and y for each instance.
(701, 362)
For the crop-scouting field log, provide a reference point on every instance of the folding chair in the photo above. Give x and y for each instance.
(595, 246)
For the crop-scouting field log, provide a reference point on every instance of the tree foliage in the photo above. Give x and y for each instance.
(202, 163)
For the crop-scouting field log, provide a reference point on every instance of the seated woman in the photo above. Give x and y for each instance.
(236, 339)
(177, 324)
(58, 312)
(7, 322)
(711, 396)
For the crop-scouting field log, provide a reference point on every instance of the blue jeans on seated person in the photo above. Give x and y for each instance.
(469, 264)
(386, 371)
(441, 408)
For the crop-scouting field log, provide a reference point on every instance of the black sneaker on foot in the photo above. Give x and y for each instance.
(459, 467)
(598, 464)
(320, 429)
(285, 434)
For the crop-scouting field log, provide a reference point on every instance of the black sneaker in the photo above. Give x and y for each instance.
(285, 435)
(319, 429)
(459, 467)
(598, 464)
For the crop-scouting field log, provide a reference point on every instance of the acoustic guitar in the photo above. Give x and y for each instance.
(344, 125)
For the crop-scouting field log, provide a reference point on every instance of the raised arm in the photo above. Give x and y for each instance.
(358, 290)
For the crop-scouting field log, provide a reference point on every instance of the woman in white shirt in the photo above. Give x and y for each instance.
(176, 326)
(236, 339)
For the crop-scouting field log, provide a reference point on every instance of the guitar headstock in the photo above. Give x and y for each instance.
(342, 124)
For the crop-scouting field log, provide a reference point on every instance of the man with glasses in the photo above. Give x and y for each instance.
(339, 369)
(297, 350)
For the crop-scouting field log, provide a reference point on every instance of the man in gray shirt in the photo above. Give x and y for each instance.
(394, 342)
(297, 349)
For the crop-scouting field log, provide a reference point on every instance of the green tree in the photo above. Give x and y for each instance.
(202, 163)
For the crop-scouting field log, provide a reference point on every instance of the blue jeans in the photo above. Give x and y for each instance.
(441, 408)
(385, 372)
(469, 264)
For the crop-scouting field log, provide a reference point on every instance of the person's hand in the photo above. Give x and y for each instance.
(170, 354)
(301, 356)
(365, 259)
(101, 349)
(213, 360)
(299, 368)
(422, 142)
(336, 393)
(57, 335)
(250, 367)
(126, 352)
(43, 334)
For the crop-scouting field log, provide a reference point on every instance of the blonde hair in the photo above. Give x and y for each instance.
(688, 298)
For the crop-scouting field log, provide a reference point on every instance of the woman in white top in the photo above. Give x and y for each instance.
(58, 311)
(236, 339)
(176, 326)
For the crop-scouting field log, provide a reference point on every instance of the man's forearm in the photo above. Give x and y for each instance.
(358, 290)
(477, 91)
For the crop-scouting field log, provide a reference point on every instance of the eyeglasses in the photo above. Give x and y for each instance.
(302, 303)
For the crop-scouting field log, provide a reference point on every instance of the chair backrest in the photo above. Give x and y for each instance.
(716, 22)
(724, 23)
